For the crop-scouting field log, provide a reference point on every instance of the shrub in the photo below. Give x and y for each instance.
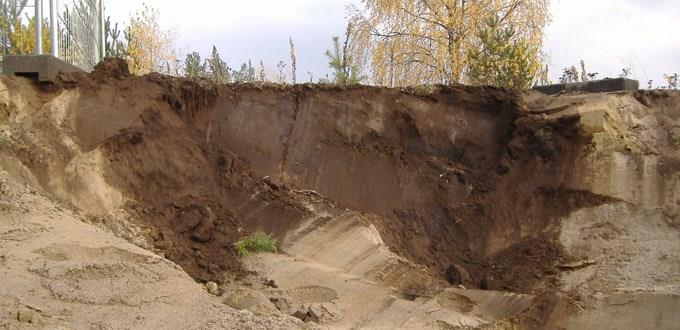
(257, 242)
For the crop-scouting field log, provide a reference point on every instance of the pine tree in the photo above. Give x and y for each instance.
(246, 73)
(345, 70)
(114, 46)
(217, 68)
(193, 67)
(502, 59)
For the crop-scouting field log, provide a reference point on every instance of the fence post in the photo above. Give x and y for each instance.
(102, 31)
(37, 50)
(54, 43)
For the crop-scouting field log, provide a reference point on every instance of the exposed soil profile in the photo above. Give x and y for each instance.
(422, 207)
(190, 191)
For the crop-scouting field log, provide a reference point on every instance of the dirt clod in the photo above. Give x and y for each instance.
(111, 67)
(28, 316)
(212, 287)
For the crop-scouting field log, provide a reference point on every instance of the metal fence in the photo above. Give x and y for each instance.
(79, 29)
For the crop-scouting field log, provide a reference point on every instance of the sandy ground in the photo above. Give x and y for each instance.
(61, 273)
(371, 287)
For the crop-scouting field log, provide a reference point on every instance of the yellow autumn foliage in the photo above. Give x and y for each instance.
(412, 42)
(22, 37)
(149, 47)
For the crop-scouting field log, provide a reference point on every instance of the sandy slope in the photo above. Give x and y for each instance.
(59, 272)
(337, 251)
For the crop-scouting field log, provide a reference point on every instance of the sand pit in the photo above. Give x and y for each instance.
(452, 207)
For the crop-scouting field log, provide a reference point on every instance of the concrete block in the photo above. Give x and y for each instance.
(595, 86)
(41, 67)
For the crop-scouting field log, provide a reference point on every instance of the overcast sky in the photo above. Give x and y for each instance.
(607, 34)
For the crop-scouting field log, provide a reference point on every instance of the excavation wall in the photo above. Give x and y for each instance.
(571, 198)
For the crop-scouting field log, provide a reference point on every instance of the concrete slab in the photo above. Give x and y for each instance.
(595, 86)
(41, 67)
